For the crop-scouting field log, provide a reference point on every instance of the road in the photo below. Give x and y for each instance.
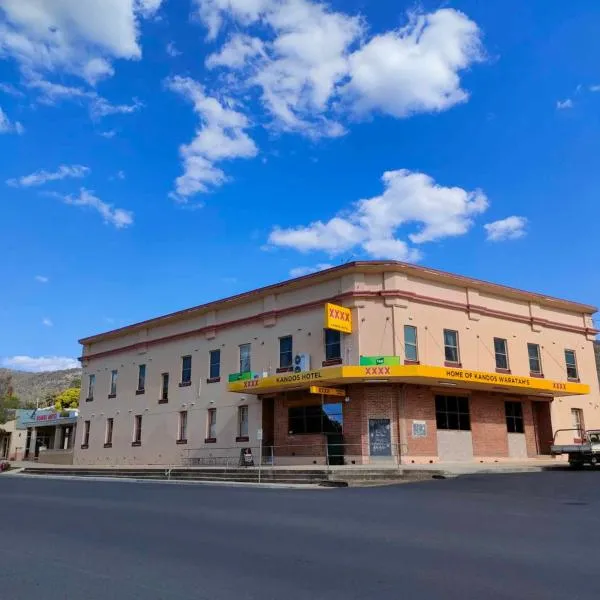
(523, 536)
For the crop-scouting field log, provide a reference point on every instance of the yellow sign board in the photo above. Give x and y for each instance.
(338, 318)
(327, 391)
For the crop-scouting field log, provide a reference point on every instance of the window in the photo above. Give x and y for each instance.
(501, 352)
(243, 422)
(186, 369)
(212, 424)
(285, 352)
(333, 344)
(164, 387)
(514, 417)
(113, 382)
(91, 385)
(141, 378)
(535, 362)
(451, 346)
(326, 418)
(571, 362)
(182, 430)
(577, 416)
(108, 434)
(137, 430)
(245, 365)
(86, 434)
(452, 412)
(214, 371)
(411, 351)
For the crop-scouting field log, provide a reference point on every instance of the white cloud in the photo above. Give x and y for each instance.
(236, 52)
(108, 134)
(220, 137)
(97, 69)
(11, 90)
(117, 217)
(408, 198)
(315, 65)
(42, 279)
(594, 88)
(101, 107)
(47, 322)
(69, 34)
(39, 363)
(563, 104)
(41, 177)
(8, 126)
(171, 50)
(300, 271)
(510, 228)
(120, 175)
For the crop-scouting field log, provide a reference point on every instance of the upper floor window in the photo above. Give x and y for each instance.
(186, 369)
(535, 360)
(141, 378)
(285, 352)
(91, 385)
(451, 353)
(501, 353)
(245, 364)
(333, 344)
(164, 387)
(411, 350)
(113, 382)
(571, 362)
(214, 370)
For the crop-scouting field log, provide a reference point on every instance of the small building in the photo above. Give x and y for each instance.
(49, 434)
(369, 362)
(12, 441)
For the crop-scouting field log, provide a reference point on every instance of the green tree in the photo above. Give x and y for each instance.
(7, 406)
(67, 399)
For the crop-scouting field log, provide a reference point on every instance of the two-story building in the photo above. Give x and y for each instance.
(366, 362)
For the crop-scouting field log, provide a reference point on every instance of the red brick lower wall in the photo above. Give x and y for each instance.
(417, 404)
(488, 426)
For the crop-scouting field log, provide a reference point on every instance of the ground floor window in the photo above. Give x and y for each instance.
(577, 416)
(326, 418)
(514, 417)
(452, 412)
(243, 421)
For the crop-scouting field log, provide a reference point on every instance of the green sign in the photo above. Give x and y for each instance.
(370, 361)
(241, 376)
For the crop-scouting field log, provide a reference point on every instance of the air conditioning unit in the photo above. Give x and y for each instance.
(301, 362)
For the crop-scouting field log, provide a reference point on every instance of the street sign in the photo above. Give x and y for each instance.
(259, 435)
(327, 391)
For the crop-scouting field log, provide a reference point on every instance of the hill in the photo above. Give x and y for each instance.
(29, 387)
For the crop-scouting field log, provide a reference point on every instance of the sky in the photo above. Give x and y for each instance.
(159, 154)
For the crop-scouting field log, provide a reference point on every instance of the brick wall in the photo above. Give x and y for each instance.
(488, 425)
(418, 404)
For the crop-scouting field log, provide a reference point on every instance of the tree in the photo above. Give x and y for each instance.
(7, 406)
(67, 399)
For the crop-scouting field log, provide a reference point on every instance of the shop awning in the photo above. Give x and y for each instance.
(418, 374)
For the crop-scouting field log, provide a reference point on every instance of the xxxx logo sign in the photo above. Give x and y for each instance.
(251, 383)
(338, 318)
(336, 313)
(377, 371)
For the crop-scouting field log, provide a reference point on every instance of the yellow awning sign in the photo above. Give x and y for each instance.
(338, 318)
(418, 374)
(327, 391)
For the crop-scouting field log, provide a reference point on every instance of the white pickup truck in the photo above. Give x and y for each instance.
(585, 450)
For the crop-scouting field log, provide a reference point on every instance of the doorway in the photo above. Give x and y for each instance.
(542, 424)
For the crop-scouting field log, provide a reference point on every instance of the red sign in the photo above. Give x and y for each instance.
(377, 371)
(49, 417)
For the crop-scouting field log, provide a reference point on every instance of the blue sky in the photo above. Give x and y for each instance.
(158, 154)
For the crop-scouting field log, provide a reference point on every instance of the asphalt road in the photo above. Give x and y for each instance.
(523, 536)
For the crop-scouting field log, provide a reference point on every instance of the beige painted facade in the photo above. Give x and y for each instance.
(15, 446)
(383, 298)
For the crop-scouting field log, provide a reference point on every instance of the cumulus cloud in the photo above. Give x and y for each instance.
(510, 228)
(39, 363)
(73, 36)
(171, 50)
(8, 126)
(564, 104)
(409, 198)
(41, 177)
(314, 65)
(301, 271)
(117, 217)
(220, 136)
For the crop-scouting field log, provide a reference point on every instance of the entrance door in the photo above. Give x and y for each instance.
(542, 423)
(380, 438)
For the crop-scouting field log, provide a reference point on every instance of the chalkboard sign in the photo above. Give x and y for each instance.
(246, 458)
(380, 440)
